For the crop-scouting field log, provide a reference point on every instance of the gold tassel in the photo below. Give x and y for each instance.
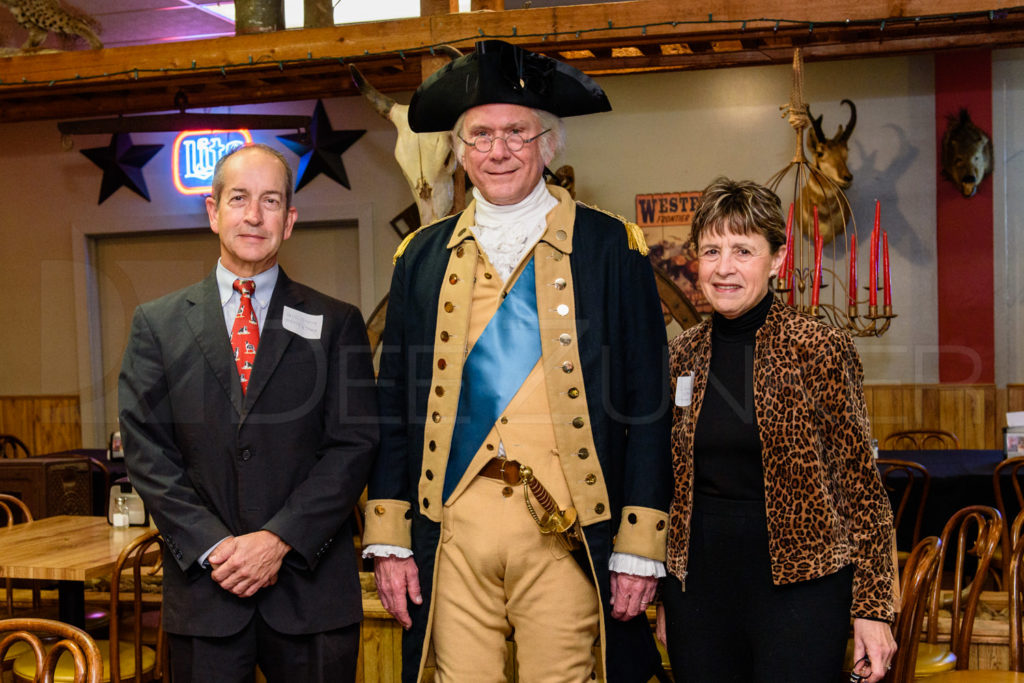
(634, 233)
(635, 237)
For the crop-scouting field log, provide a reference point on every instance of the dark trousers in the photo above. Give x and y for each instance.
(733, 624)
(328, 657)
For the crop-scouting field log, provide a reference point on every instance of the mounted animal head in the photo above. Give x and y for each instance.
(829, 154)
(426, 159)
(966, 153)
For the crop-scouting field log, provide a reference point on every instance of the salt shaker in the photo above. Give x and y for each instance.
(120, 516)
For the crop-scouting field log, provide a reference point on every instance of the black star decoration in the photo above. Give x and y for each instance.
(122, 164)
(320, 149)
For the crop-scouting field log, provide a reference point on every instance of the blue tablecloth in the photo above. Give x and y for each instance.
(958, 478)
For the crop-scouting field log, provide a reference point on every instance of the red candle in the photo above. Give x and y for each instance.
(816, 282)
(853, 272)
(787, 264)
(873, 260)
(885, 270)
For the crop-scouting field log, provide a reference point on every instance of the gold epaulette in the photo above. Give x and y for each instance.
(408, 238)
(634, 233)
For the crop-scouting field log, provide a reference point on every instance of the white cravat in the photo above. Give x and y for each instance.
(508, 233)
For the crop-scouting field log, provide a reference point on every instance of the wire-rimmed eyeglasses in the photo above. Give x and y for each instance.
(515, 142)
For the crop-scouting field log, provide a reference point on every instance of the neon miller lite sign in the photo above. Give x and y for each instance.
(195, 155)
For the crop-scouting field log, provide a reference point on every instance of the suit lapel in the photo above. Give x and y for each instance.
(205, 319)
(274, 339)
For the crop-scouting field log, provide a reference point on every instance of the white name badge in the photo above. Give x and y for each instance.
(684, 390)
(303, 324)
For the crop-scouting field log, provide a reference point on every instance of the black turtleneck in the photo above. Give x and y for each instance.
(726, 445)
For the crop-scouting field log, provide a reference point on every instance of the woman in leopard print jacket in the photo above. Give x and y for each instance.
(779, 529)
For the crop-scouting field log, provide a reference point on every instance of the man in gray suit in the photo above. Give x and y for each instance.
(248, 413)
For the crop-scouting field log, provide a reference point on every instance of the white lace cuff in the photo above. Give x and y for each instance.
(626, 563)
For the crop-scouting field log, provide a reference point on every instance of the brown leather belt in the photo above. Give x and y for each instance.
(502, 470)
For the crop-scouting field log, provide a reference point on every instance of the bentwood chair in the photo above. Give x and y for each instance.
(921, 440)
(901, 478)
(1012, 469)
(15, 511)
(972, 534)
(12, 447)
(73, 645)
(1014, 675)
(920, 573)
(134, 661)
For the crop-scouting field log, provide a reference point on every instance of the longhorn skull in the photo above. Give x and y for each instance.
(828, 178)
(966, 153)
(426, 159)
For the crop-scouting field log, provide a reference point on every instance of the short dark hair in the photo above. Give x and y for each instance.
(740, 206)
(217, 186)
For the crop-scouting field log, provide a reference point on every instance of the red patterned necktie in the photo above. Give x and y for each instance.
(245, 331)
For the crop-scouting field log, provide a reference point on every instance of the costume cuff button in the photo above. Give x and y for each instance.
(591, 479)
(379, 510)
(449, 307)
(429, 474)
(453, 278)
(661, 525)
(426, 502)
(632, 518)
(432, 446)
(599, 508)
(436, 417)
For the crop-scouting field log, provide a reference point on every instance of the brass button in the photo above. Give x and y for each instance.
(583, 454)
(560, 283)
(504, 420)
(439, 391)
(444, 336)
(453, 278)
(560, 235)
(426, 504)
(429, 474)
(564, 339)
(441, 363)
(487, 276)
(436, 417)
(460, 252)
(449, 307)
(432, 445)
(567, 366)
(574, 393)
(562, 310)
(507, 491)
(599, 508)
(660, 525)
(591, 479)
(379, 510)
(577, 422)
(490, 446)
(632, 518)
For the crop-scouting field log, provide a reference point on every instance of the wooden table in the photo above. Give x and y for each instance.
(67, 549)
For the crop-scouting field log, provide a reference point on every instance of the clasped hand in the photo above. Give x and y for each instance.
(244, 564)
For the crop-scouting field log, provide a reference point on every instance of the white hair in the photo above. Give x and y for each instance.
(551, 144)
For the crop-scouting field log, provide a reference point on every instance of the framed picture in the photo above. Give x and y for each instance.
(1014, 440)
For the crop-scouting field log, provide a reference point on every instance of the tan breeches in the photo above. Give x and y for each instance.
(497, 576)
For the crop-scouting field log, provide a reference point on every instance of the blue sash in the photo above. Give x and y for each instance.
(496, 367)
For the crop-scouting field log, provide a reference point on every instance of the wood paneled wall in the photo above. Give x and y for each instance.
(967, 410)
(47, 424)
(974, 412)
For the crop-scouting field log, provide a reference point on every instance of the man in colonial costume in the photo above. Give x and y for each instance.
(523, 481)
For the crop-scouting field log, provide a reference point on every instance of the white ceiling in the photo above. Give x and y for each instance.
(141, 22)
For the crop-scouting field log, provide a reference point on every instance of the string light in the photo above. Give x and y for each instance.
(776, 23)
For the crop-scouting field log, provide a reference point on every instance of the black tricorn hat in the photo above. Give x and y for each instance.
(502, 73)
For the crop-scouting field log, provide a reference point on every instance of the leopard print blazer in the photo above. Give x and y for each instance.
(825, 503)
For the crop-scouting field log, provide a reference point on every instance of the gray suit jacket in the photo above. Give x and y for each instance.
(291, 456)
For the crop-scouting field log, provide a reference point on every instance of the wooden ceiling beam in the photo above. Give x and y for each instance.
(310, 63)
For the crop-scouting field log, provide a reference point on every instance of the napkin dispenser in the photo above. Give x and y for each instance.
(137, 513)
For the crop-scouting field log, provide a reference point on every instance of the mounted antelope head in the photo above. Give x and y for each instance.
(426, 159)
(966, 153)
(828, 178)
